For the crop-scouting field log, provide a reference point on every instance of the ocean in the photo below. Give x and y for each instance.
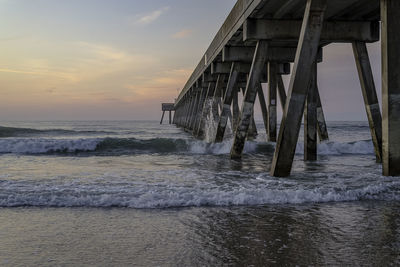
(123, 193)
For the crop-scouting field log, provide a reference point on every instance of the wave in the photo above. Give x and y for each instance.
(364, 147)
(26, 132)
(121, 146)
(148, 196)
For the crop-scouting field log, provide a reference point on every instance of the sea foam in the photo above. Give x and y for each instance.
(161, 145)
(136, 195)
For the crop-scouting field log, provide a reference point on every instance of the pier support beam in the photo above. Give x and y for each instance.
(370, 96)
(192, 117)
(253, 85)
(322, 128)
(390, 13)
(310, 119)
(226, 110)
(190, 107)
(281, 92)
(272, 88)
(199, 133)
(235, 108)
(218, 93)
(264, 110)
(162, 117)
(299, 84)
(199, 110)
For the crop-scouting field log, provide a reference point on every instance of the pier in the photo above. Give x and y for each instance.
(260, 41)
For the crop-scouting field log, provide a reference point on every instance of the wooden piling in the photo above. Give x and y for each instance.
(310, 119)
(390, 13)
(369, 94)
(299, 84)
(226, 110)
(253, 85)
(162, 117)
(272, 88)
(264, 110)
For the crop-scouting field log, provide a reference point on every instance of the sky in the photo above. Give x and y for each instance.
(120, 59)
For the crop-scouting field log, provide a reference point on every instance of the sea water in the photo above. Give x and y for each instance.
(139, 193)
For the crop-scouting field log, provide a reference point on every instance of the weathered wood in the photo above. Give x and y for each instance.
(298, 89)
(205, 111)
(225, 67)
(285, 8)
(235, 108)
(264, 110)
(252, 132)
(390, 14)
(253, 85)
(322, 128)
(223, 120)
(272, 113)
(218, 93)
(370, 97)
(190, 102)
(199, 111)
(191, 107)
(162, 117)
(333, 31)
(245, 54)
(193, 117)
(310, 119)
(281, 92)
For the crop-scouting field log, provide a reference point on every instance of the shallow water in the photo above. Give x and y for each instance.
(118, 193)
(349, 233)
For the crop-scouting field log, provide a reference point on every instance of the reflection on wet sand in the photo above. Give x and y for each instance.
(324, 234)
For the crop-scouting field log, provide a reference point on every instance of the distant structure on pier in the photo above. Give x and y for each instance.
(258, 42)
(167, 107)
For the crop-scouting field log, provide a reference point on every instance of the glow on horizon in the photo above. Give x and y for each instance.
(98, 59)
(108, 60)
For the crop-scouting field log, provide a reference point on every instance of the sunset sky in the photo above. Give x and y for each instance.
(118, 60)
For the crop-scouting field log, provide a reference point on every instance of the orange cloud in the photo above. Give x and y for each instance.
(182, 34)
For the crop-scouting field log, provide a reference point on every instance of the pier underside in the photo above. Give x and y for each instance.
(260, 41)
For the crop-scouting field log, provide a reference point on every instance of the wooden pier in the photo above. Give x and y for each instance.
(260, 41)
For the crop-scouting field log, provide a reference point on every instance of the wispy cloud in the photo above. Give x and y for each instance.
(150, 17)
(182, 34)
(162, 84)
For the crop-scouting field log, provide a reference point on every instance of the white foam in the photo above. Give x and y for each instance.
(43, 145)
(200, 147)
(165, 195)
(337, 148)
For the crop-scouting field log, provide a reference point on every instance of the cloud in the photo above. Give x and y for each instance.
(182, 34)
(165, 84)
(149, 18)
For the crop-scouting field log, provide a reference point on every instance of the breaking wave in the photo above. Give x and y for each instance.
(364, 147)
(144, 196)
(25, 132)
(115, 146)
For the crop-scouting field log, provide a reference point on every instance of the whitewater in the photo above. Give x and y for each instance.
(190, 176)
(152, 195)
